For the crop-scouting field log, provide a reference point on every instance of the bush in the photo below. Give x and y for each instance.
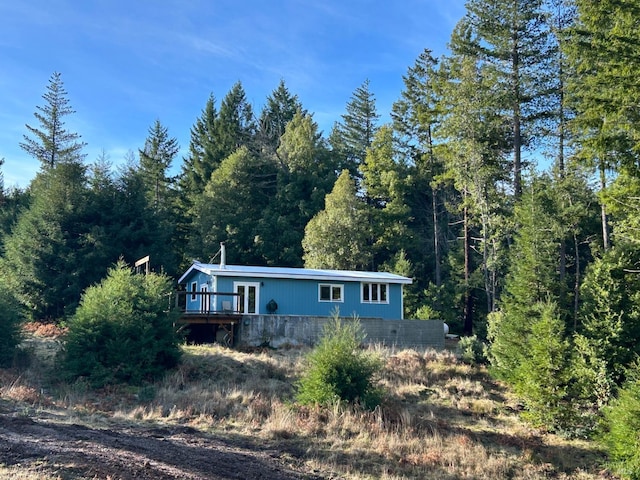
(338, 370)
(10, 320)
(123, 330)
(622, 435)
(472, 350)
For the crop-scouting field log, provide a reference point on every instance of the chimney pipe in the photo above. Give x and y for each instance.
(223, 256)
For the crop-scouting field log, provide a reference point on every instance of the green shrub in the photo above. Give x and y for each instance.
(472, 350)
(338, 370)
(123, 330)
(10, 320)
(622, 435)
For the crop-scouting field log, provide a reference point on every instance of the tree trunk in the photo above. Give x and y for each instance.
(517, 134)
(436, 237)
(603, 209)
(576, 286)
(468, 298)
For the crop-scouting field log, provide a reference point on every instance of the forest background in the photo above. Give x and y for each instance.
(542, 266)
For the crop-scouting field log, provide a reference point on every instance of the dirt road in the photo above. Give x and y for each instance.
(122, 453)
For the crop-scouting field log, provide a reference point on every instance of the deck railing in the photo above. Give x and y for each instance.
(207, 302)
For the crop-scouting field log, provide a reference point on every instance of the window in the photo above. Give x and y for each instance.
(194, 289)
(330, 293)
(375, 293)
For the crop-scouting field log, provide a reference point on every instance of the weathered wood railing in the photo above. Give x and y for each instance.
(207, 302)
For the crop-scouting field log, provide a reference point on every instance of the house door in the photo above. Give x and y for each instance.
(205, 299)
(248, 299)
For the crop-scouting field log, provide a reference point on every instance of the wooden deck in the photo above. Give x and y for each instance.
(210, 318)
(219, 325)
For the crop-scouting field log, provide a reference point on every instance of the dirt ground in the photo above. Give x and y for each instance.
(47, 444)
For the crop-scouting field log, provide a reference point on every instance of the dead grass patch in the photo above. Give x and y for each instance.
(47, 330)
(440, 418)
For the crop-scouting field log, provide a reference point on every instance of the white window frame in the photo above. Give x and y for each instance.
(194, 290)
(374, 287)
(205, 300)
(245, 305)
(331, 286)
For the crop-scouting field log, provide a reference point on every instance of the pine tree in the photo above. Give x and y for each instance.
(305, 174)
(236, 126)
(416, 117)
(204, 153)
(231, 207)
(351, 137)
(603, 52)
(510, 37)
(474, 141)
(384, 182)
(51, 143)
(278, 111)
(44, 260)
(155, 161)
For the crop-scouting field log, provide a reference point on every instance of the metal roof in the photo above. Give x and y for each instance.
(295, 273)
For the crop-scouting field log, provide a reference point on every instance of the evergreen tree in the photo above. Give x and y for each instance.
(351, 137)
(204, 154)
(474, 142)
(155, 161)
(533, 279)
(384, 181)
(622, 424)
(12, 202)
(10, 320)
(123, 330)
(278, 111)
(305, 174)
(544, 378)
(44, 261)
(231, 207)
(610, 313)
(415, 117)
(511, 38)
(555, 123)
(135, 230)
(51, 143)
(236, 126)
(603, 53)
(336, 237)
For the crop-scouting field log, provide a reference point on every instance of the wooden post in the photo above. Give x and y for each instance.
(143, 263)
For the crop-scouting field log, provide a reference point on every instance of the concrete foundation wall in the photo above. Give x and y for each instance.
(279, 330)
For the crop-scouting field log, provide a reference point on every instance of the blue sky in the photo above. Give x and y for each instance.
(126, 64)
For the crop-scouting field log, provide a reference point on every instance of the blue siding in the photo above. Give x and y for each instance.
(300, 297)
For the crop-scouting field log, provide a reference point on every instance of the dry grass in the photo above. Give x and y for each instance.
(440, 419)
(19, 473)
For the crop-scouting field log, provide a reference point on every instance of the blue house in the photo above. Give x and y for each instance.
(248, 290)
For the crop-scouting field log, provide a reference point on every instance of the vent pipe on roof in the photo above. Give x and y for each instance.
(223, 256)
